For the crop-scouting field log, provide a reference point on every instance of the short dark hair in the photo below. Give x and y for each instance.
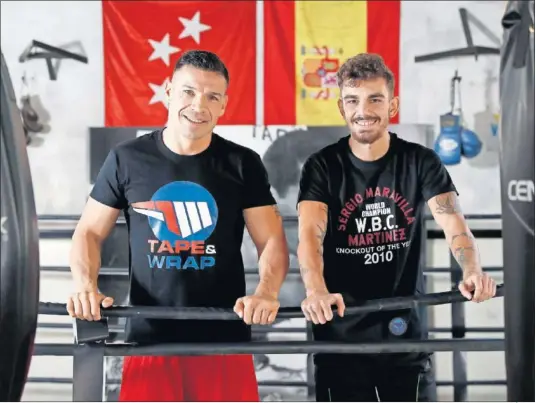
(365, 66)
(203, 60)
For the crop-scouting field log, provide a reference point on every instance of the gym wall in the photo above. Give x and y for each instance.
(74, 102)
(72, 107)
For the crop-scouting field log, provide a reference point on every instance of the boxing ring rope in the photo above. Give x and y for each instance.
(295, 384)
(287, 347)
(53, 217)
(62, 226)
(88, 358)
(276, 347)
(385, 304)
(123, 271)
(262, 329)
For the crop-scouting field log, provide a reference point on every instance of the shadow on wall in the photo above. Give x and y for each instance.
(285, 157)
(284, 160)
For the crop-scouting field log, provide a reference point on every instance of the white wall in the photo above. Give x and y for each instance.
(59, 159)
(430, 27)
(75, 101)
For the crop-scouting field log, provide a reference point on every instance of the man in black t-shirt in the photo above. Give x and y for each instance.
(186, 194)
(360, 208)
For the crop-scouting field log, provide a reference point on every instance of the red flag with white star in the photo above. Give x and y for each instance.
(144, 39)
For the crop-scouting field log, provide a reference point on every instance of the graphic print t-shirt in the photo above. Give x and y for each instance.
(185, 219)
(375, 231)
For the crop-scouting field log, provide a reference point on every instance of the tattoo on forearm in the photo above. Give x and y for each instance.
(464, 255)
(447, 204)
(276, 210)
(321, 235)
(321, 231)
(466, 235)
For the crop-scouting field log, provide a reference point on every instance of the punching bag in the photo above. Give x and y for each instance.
(517, 184)
(19, 249)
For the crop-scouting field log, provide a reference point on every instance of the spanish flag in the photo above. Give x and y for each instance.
(305, 43)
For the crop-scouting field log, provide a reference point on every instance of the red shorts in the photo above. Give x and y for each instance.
(214, 378)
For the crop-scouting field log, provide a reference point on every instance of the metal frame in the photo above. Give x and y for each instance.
(471, 49)
(49, 53)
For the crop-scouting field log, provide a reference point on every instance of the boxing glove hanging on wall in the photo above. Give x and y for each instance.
(471, 144)
(448, 144)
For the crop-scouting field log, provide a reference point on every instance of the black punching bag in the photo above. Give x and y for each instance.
(517, 183)
(19, 249)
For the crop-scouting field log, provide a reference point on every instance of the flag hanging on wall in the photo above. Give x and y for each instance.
(305, 42)
(144, 39)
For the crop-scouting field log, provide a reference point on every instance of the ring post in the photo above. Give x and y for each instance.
(88, 360)
(88, 373)
(310, 368)
(459, 364)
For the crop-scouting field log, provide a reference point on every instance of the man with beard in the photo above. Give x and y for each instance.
(360, 208)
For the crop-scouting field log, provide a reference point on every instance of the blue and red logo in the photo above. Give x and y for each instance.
(180, 211)
(182, 216)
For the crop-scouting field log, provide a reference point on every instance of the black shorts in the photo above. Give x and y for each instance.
(369, 383)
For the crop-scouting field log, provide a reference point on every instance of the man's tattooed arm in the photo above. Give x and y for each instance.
(312, 219)
(465, 250)
(321, 227)
(448, 215)
(276, 211)
(447, 203)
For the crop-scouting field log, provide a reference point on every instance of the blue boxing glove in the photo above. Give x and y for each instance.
(448, 144)
(471, 144)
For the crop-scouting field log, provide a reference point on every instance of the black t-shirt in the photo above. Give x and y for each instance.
(185, 220)
(375, 233)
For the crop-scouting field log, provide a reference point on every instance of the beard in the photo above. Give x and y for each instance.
(366, 137)
(367, 134)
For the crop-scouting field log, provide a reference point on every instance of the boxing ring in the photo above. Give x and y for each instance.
(114, 271)
(90, 346)
(114, 274)
(20, 268)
